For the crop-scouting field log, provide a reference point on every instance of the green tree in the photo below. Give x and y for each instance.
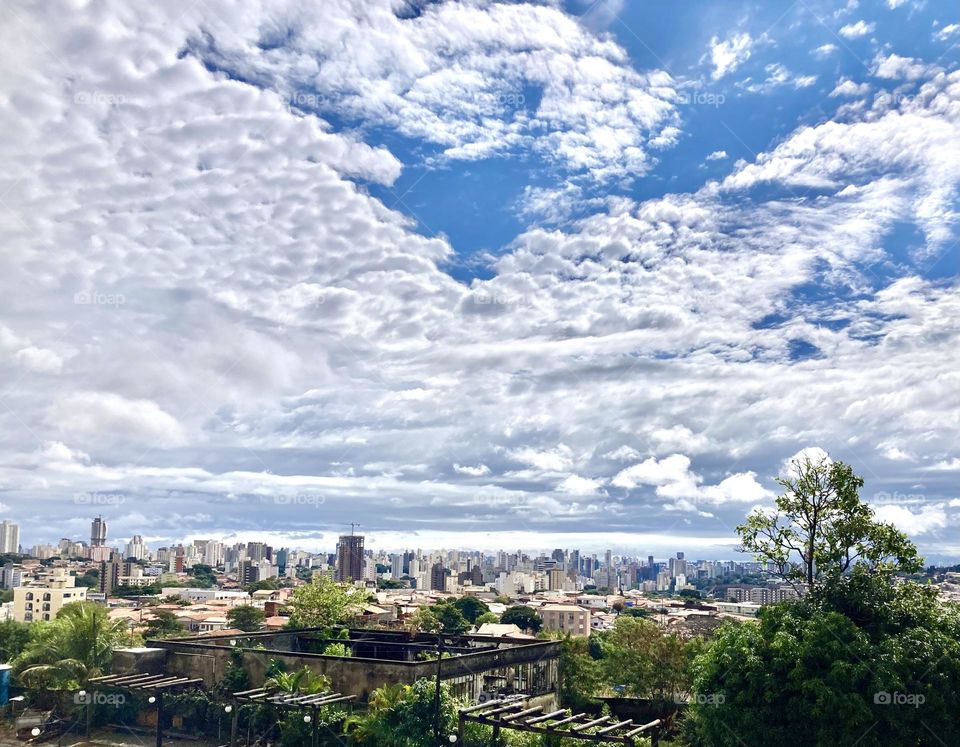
(322, 603)
(581, 675)
(487, 617)
(403, 716)
(302, 682)
(338, 649)
(805, 674)
(14, 637)
(864, 658)
(648, 662)
(821, 529)
(245, 617)
(163, 624)
(524, 618)
(74, 647)
(471, 607)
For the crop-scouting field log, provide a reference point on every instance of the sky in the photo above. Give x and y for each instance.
(476, 274)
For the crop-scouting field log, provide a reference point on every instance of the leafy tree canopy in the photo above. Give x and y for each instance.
(524, 618)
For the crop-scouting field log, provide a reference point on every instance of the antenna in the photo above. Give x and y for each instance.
(352, 526)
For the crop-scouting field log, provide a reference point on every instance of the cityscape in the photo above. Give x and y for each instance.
(491, 373)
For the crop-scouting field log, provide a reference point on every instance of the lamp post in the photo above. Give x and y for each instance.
(436, 694)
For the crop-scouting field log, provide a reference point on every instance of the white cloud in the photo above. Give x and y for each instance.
(717, 155)
(824, 50)
(926, 520)
(947, 31)
(577, 485)
(895, 67)
(107, 416)
(479, 470)
(846, 87)
(727, 55)
(858, 29)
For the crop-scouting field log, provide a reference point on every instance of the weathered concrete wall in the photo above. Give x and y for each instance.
(143, 659)
(209, 659)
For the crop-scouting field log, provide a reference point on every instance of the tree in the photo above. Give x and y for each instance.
(74, 647)
(246, 617)
(821, 529)
(14, 637)
(648, 662)
(322, 603)
(403, 716)
(580, 674)
(864, 658)
(471, 607)
(163, 624)
(300, 682)
(487, 617)
(524, 618)
(805, 674)
(338, 649)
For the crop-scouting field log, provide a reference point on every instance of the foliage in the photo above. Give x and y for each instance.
(487, 617)
(266, 584)
(234, 679)
(821, 522)
(322, 603)
(524, 618)
(580, 674)
(302, 681)
(14, 637)
(74, 647)
(807, 674)
(338, 649)
(245, 617)
(90, 579)
(442, 617)
(649, 663)
(164, 624)
(471, 608)
(403, 716)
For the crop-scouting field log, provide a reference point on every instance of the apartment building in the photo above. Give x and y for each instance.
(44, 599)
(566, 618)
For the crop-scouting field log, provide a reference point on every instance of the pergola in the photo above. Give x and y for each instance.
(264, 696)
(156, 685)
(512, 713)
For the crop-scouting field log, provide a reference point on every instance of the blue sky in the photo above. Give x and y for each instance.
(477, 274)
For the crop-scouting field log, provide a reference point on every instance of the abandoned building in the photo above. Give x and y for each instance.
(476, 668)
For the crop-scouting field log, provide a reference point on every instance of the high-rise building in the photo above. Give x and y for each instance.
(350, 558)
(109, 575)
(9, 537)
(98, 540)
(136, 548)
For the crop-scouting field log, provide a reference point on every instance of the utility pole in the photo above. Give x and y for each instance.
(436, 695)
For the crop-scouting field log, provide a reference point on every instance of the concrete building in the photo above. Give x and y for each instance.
(9, 537)
(46, 598)
(136, 548)
(350, 558)
(566, 618)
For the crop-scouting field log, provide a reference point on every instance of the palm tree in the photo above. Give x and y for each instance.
(74, 647)
(301, 682)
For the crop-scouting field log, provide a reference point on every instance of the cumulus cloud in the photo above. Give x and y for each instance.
(727, 55)
(858, 29)
(927, 519)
